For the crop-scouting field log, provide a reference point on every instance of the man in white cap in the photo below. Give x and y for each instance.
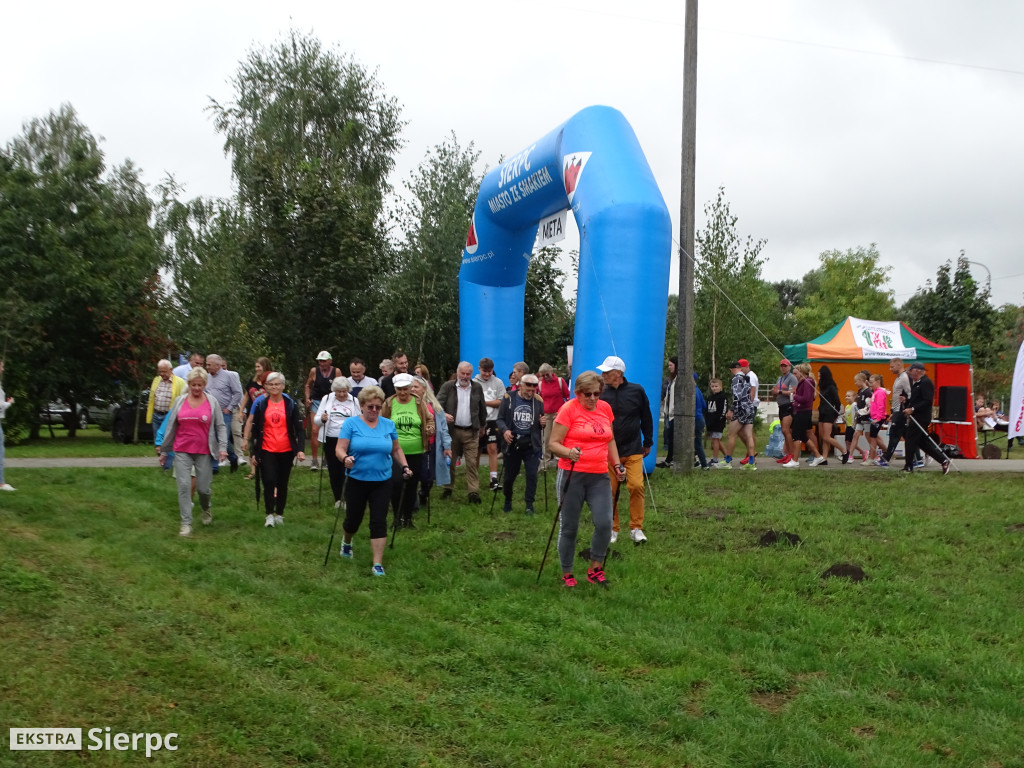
(633, 428)
(318, 386)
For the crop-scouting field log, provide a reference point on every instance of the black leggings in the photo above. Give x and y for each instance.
(335, 468)
(408, 487)
(360, 492)
(275, 469)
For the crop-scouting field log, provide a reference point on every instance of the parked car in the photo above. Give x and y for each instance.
(123, 416)
(58, 413)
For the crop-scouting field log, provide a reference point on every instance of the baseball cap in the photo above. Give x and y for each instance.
(784, 361)
(917, 366)
(612, 363)
(402, 380)
(743, 362)
(324, 355)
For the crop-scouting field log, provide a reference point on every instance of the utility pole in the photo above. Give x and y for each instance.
(685, 397)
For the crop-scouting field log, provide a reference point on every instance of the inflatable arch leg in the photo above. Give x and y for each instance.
(593, 165)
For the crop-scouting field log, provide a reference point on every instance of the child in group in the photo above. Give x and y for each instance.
(716, 409)
(862, 420)
(851, 418)
(878, 410)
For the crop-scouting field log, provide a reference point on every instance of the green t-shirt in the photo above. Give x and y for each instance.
(408, 423)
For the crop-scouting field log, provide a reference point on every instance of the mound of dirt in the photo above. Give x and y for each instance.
(845, 571)
(772, 537)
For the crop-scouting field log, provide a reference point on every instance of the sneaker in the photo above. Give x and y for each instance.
(809, 460)
(918, 465)
(495, 485)
(706, 467)
(748, 459)
(346, 550)
(751, 466)
(507, 506)
(6, 487)
(207, 516)
(568, 579)
(784, 459)
(743, 463)
(270, 522)
(278, 519)
(242, 460)
(614, 538)
(846, 458)
(945, 467)
(726, 465)
(815, 461)
(339, 504)
(377, 570)
(224, 463)
(474, 498)
(792, 463)
(881, 463)
(458, 462)
(637, 536)
(186, 530)
(596, 576)
(314, 466)
(529, 509)
(713, 463)
(866, 463)
(908, 470)
(824, 463)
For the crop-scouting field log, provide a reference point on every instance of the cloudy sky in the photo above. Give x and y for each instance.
(830, 125)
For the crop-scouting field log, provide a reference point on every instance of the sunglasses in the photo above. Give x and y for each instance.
(373, 407)
(590, 394)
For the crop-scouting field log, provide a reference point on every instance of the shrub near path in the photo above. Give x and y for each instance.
(709, 649)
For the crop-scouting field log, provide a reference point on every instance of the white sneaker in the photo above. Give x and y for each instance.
(6, 487)
(270, 522)
(186, 530)
(637, 536)
(278, 519)
(207, 517)
(615, 537)
(817, 460)
(242, 460)
(792, 463)
(225, 463)
(314, 467)
(340, 504)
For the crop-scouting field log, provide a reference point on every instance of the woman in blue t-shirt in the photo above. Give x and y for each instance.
(366, 445)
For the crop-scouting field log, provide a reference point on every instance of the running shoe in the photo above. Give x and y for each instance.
(751, 466)
(816, 460)
(784, 459)
(881, 463)
(186, 530)
(568, 579)
(495, 485)
(529, 509)
(792, 463)
(846, 458)
(346, 550)
(278, 519)
(270, 522)
(637, 536)
(596, 576)
(945, 467)
(377, 570)
(726, 465)
(615, 537)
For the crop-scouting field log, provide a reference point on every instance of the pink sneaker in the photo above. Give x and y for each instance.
(568, 579)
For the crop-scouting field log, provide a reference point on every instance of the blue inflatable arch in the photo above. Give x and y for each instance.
(593, 165)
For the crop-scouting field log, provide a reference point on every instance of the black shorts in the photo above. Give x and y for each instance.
(801, 424)
(490, 436)
(785, 409)
(876, 427)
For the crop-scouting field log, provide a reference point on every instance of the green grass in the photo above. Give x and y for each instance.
(707, 650)
(90, 442)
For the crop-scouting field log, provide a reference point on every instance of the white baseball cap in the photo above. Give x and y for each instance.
(402, 380)
(612, 363)
(324, 355)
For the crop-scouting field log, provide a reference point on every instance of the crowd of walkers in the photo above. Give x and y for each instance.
(387, 443)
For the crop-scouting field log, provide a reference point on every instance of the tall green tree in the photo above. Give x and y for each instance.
(312, 138)
(434, 216)
(80, 264)
(846, 283)
(733, 305)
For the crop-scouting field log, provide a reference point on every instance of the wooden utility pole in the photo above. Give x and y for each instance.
(685, 397)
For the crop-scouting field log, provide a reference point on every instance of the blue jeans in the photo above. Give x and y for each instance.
(232, 456)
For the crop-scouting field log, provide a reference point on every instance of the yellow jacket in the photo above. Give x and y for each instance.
(178, 387)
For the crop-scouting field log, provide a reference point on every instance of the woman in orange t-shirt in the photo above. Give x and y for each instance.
(582, 440)
(278, 440)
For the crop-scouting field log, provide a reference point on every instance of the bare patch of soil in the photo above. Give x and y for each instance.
(864, 731)
(771, 537)
(845, 571)
(711, 513)
(774, 701)
(1015, 528)
(504, 535)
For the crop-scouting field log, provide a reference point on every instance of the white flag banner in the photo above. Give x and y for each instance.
(880, 340)
(1015, 413)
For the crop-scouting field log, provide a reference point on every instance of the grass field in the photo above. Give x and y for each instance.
(89, 442)
(706, 650)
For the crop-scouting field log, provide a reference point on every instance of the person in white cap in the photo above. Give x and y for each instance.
(318, 386)
(633, 428)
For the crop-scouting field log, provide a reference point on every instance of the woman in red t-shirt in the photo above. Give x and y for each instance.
(582, 440)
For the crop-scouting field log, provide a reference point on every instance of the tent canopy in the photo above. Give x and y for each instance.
(856, 339)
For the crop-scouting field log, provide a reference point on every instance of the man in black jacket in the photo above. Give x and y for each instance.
(919, 411)
(634, 436)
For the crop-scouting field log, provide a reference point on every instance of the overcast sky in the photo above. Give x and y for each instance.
(830, 125)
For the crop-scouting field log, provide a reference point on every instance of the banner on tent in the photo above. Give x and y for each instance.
(880, 340)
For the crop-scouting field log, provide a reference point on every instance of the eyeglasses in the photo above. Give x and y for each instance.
(590, 394)
(373, 407)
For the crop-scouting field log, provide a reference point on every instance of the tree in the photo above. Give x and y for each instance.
(312, 139)
(434, 217)
(80, 263)
(850, 283)
(732, 305)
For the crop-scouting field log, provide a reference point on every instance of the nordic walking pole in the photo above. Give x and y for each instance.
(494, 496)
(337, 514)
(545, 488)
(615, 509)
(398, 511)
(554, 523)
(320, 491)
